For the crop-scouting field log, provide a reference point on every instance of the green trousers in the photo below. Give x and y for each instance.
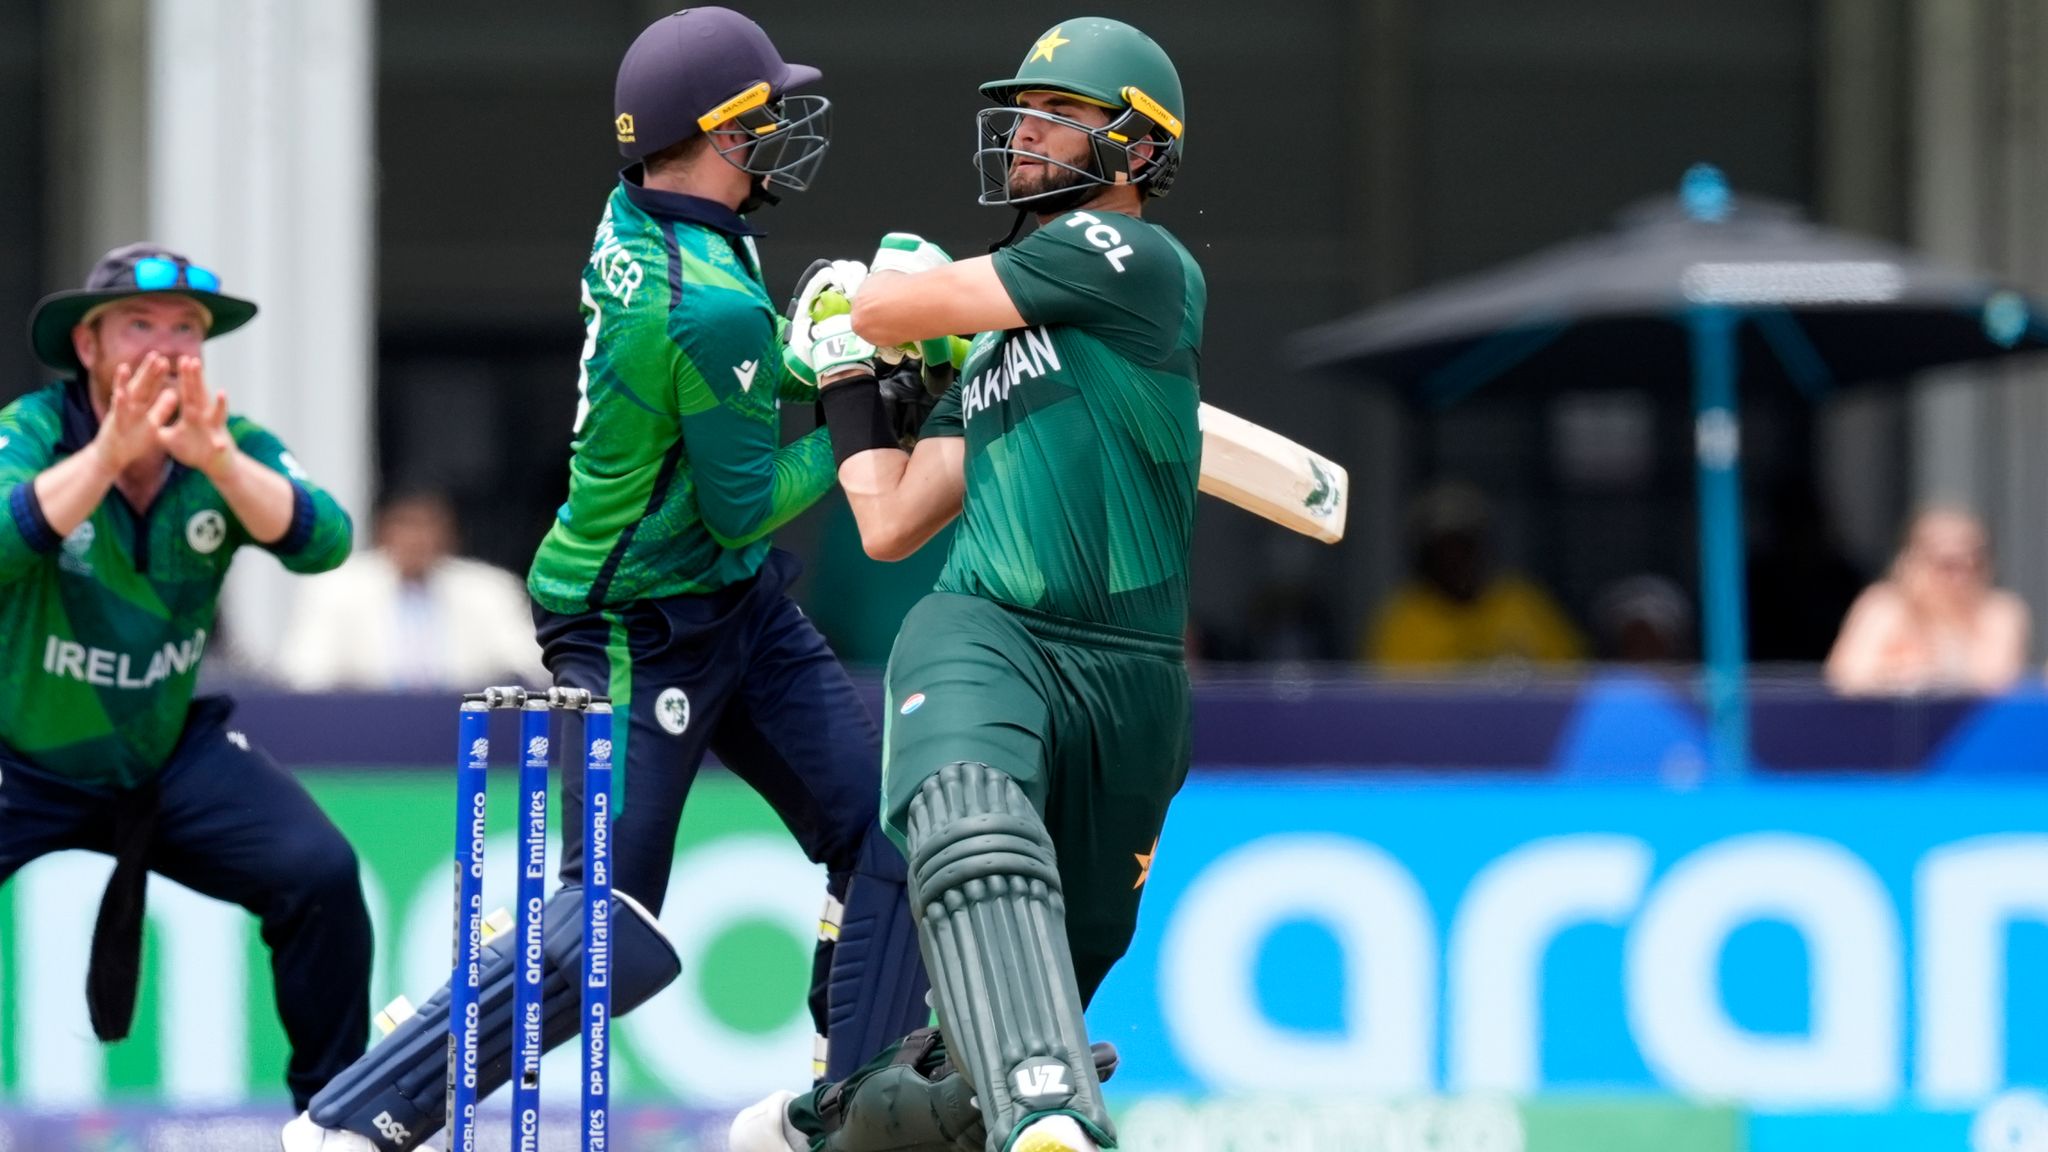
(1092, 723)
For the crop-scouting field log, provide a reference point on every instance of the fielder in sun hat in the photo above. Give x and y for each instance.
(130, 270)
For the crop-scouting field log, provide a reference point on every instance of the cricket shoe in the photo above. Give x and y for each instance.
(765, 1127)
(1053, 1134)
(302, 1135)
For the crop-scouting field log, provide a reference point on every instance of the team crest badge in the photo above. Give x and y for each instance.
(76, 547)
(80, 540)
(672, 711)
(205, 531)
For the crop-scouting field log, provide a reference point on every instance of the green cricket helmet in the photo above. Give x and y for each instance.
(1105, 62)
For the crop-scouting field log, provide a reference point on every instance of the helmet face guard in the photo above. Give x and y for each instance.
(1113, 156)
(779, 140)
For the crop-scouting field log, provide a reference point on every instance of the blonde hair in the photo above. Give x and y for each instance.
(1934, 511)
(93, 314)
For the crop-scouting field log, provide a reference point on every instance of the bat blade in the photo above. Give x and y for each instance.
(1269, 475)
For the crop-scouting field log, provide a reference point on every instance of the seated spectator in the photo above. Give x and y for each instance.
(1644, 619)
(411, 615)
(1936, 624)
(1456, 609)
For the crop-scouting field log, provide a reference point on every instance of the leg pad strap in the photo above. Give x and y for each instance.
(915, 1102)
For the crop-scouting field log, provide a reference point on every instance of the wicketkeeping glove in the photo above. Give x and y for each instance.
(833, 343)
(839, 276)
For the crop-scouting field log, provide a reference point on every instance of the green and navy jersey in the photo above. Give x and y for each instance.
(1083, 447)
(106, 626)
(678, 474)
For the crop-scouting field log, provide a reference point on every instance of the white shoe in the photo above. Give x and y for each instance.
(1053, 1134)
(302, 1135)
(765, 1127)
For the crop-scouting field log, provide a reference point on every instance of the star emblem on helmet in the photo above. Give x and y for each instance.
(1047, 43)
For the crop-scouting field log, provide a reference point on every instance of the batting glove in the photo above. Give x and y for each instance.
(907, 252)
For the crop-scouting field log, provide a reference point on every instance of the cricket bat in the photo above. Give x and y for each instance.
(1269, 475)
(1255, 468)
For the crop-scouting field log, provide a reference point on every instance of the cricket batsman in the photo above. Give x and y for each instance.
(657, 586)
(1037, 722)
(126, 490)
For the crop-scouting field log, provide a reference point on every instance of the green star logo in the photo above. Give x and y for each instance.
(1322, 499)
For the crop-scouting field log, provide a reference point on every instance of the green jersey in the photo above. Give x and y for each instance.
(678, 474)
(106, 626)
(1083, 448)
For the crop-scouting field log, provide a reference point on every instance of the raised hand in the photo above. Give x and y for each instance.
(198, 437)
(907, 252)
(138, 405)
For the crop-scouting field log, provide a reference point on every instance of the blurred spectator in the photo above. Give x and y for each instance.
(1456, 609)
(411, 614)
(1936, 624)
(1800, 583)
(1644, 619)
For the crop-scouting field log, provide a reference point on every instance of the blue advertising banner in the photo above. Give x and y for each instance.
(1790, 949)
(1328, 960)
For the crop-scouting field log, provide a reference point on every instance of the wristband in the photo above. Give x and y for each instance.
(854, 413)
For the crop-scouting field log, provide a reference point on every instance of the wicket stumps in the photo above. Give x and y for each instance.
(465, 985)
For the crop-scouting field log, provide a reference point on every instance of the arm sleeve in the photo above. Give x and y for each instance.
(748, 484)
(28, 438)
(321, 533)
(1112, 276)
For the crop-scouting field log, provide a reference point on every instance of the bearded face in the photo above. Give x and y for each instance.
(1032, 175)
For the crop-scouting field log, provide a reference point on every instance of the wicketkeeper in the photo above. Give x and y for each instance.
(657, 585)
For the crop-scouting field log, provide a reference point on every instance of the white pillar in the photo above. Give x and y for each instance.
(260, 167)
(2019, 220)
(1948, 173)
(1980, 178)
(1863, 153)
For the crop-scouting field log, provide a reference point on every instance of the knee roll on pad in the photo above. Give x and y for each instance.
(396, 1095)
(985, 888)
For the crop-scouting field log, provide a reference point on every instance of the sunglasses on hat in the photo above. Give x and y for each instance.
(160, 273)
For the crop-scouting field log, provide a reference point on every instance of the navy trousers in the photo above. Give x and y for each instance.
(743, 674)
(235, 826)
